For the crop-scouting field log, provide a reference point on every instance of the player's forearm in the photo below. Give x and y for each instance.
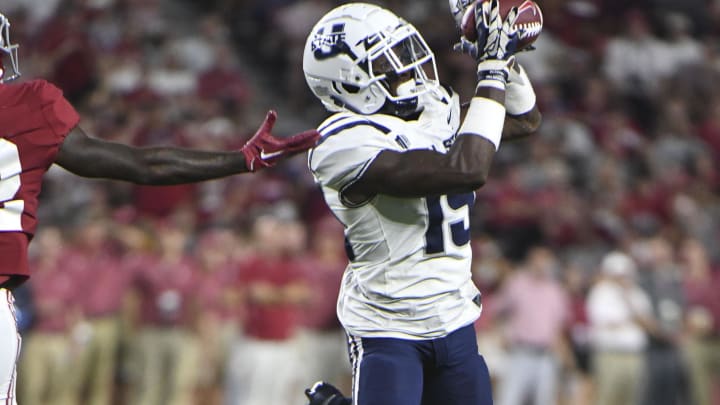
(464, 168)
(166, 166)
(419, 173)
(520, 126)
(92, 157)
(478, 139)
(467, 164)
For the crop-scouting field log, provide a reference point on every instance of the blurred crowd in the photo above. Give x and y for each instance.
(595, 240)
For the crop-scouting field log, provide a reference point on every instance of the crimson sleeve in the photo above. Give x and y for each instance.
(59, 114)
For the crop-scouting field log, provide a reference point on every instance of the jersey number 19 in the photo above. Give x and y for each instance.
(448, 214)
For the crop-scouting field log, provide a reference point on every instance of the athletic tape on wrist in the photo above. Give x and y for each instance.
(519, 93)
(491, 82)
(485, 118)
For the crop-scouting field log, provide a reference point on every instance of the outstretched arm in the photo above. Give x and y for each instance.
(92, 157)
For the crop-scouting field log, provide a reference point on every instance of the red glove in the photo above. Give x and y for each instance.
(264, 149)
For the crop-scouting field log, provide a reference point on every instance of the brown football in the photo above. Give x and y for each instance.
(529, 22)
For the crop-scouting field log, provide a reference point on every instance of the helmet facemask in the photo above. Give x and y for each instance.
(403, 67)
(10, 49)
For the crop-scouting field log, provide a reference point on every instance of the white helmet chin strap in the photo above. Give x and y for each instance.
(406, 88)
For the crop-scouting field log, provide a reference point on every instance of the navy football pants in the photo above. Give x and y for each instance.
(444, 371)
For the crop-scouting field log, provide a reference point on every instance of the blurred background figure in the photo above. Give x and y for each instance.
(580, 389)
(264, 365)
(216, 324)
(490, 268)
(619, 312)
(536, 311)
(701, 282)
(165, 347)
(104, 283)
(660, 277)
(323, 346)
(136, 245)
(636, 65)
(49, 359)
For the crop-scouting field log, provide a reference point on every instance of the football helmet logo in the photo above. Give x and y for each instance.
(355, 51)
(10, 49)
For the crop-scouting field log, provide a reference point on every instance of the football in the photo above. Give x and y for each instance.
(529, 22)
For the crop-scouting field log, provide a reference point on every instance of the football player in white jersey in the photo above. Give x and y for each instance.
(398, 166)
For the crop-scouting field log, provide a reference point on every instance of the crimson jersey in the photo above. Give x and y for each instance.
(34, 120)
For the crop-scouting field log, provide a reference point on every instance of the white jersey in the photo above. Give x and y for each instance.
(409, 273)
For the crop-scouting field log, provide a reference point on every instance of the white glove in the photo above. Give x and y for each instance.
(497, 42)
(496, 39)
(502, 36)
(519, 93)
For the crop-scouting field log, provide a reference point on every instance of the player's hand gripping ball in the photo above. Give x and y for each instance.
(529, 21)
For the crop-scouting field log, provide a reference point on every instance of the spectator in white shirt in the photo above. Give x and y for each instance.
(618, 312)
(682, 48)
(636, 62)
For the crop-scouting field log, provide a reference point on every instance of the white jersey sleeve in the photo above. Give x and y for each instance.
(349, 144)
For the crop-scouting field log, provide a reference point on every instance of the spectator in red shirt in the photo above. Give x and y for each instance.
(224, 81)
(167, 350)
(323, 342)
(216, 323)
(104, 284)
(510, 219)
(263, 367)
(645, 206)
(45, 365)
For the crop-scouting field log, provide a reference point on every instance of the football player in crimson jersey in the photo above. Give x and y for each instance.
(38, 127)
